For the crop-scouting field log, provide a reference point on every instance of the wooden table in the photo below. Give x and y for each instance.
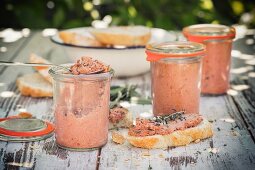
(233, 118)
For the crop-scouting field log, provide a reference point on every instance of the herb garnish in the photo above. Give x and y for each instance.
(172, 117)
(126, 93)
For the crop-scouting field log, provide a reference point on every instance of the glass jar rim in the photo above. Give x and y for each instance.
(203, 32)
(60, 72)
(156, 51)
(208, 29)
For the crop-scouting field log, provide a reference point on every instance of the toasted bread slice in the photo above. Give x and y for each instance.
(126, 122)
(79, 39)
(41, 70)
(118, 138)
(123, 35)
(177, 138)
(34, 85)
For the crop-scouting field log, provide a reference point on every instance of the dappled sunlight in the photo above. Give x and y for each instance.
(3, 49)
(22, 110)
(49, 32)
(249, 41)
(20, 165)
(146, 115)
(9, 35)
(251, 74)
(240, 87)
(25, 32)
(228, 120)
(250, 62)
(2, 84)
(6, 94)
(239, 55)
(241, 70)
(236, 53)
(125, 104)
(240, 31)
(232, 92)
(246, 57)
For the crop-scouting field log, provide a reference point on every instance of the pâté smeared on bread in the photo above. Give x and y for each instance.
(120, 117)
(168, 131)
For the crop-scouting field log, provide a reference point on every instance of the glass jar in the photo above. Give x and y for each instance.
(81, 107)
(175, 76)
(216, 64)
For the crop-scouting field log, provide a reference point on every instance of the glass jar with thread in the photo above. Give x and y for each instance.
(216, 63)
(81, 109)
(175, 76)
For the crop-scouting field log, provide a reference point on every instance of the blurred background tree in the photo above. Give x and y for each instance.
(167, 14)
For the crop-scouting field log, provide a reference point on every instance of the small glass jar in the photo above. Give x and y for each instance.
(175, 76)
(216, 64)
(81, 107)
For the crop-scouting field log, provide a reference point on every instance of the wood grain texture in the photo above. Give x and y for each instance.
(13, 49)
(243, 83)
(234, 142)
(43, 154)
(234, 145)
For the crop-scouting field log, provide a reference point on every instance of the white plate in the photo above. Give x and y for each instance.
(126, 61)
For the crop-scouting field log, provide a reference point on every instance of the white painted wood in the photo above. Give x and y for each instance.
(43, 154)
(193, 156)
(234, 141)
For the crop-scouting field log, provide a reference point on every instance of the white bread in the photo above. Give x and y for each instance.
(123, 35)
(79, 39)
(126, 122)
(177, 138)
(34, 85)
(41, 70)
(118, 138)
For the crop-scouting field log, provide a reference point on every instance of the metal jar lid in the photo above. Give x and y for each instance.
(157, 51)
(25, 129)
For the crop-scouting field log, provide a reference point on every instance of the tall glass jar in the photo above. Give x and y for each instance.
(81, 107)
(175, 76)
(216, 63)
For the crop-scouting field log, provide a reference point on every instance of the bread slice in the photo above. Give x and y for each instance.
(118, 138)
(123, 35)
(74, 38)
(126, 122)
(177, 138)
(43, 71)
(34, 85)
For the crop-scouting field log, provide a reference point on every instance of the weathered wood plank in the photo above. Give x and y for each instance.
(242, 83)
(235, 147)
(13, 49)
(42, 154)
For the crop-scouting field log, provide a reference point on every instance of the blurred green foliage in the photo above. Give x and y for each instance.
(168, 14)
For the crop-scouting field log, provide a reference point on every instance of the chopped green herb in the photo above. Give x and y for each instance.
(126, 93)
(166, 118)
